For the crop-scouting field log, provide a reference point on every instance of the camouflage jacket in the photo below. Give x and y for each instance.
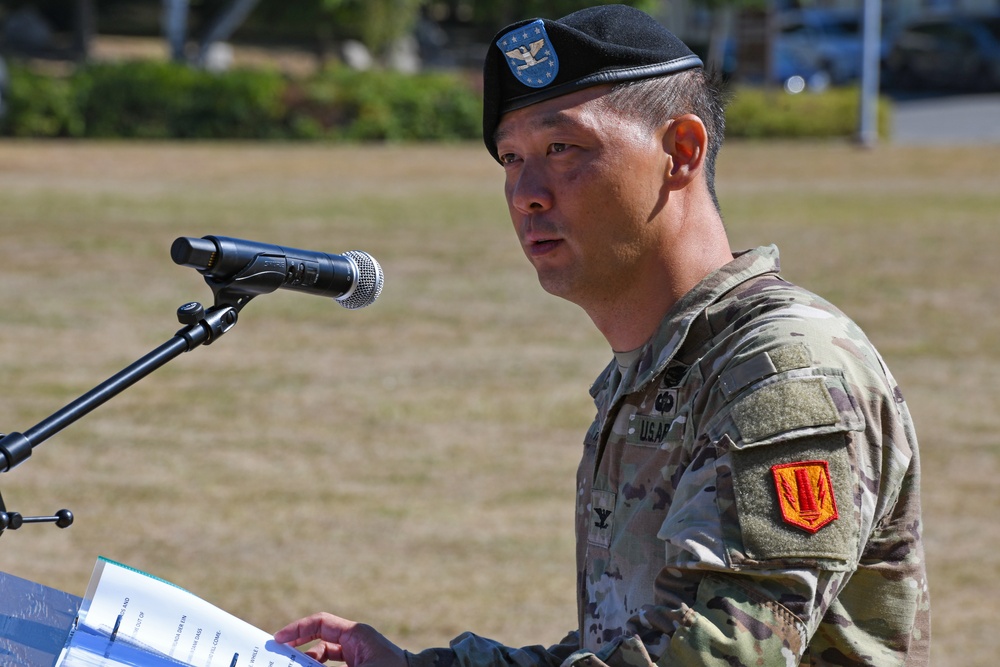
(748, 495)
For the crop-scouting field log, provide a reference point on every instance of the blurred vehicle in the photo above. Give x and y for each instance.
(811, 49)
(946, 52)
(826, 45)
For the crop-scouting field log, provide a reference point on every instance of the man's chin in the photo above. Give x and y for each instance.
(555, 284)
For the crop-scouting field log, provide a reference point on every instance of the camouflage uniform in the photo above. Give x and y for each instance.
(748, 495)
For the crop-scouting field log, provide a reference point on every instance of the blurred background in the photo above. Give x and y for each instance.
(86, 67)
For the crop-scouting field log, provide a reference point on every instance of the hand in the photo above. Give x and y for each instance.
(356, 644)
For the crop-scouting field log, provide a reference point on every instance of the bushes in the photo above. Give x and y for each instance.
(756, 114)
(365, 106)
(150, 100)
(40, 106)
(157, 100)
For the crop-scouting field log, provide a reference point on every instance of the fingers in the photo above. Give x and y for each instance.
(323, 651)
(323, 626)
(341, 640)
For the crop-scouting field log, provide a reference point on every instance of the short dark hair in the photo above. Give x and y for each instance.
(658, 99)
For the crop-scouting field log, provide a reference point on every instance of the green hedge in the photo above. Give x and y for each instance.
(346, 104)
(157, 100)
(754, 113)
(150, 100)
(38, 105)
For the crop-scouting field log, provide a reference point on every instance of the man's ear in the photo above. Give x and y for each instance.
(686, 142)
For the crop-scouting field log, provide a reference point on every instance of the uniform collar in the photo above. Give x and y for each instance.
(677, 324)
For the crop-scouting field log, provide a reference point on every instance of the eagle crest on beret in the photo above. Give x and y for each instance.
(527, 54)
(530, 55)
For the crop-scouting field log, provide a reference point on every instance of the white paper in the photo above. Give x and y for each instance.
(133, 619)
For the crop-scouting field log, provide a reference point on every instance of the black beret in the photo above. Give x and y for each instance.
(537, 59)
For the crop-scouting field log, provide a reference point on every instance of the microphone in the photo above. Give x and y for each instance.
(354, 279)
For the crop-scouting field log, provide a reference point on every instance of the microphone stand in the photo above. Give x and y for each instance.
(203, 327)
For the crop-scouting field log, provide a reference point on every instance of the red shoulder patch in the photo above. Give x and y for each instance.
(805, 494)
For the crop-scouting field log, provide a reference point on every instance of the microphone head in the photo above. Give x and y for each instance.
(368, 284)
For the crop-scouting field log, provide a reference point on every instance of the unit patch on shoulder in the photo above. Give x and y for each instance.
(805, 494)
(794, 500)
(530, 55)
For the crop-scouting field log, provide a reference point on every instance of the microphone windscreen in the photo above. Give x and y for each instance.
(369, 281)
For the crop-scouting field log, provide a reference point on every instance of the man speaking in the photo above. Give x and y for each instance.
(749, 489)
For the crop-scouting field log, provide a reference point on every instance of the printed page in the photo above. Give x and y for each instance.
(88, 649)
(132, 618)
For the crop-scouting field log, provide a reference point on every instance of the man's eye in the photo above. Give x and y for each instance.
(507, 158)
(558, 148)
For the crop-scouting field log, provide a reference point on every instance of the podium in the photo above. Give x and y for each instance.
(128, 618)
(35, 621)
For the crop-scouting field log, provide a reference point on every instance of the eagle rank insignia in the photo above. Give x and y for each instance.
(530, 55)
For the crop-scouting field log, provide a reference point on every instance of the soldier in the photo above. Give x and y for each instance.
(749, 488)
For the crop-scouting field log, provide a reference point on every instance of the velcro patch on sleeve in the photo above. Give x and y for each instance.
(795, 403)
(795, 500)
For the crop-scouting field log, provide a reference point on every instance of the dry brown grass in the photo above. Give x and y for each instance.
(411, 464)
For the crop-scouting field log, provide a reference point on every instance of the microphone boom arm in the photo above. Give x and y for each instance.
(16, 447)
(203, 328)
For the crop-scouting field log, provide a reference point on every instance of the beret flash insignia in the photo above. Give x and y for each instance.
(530, 55)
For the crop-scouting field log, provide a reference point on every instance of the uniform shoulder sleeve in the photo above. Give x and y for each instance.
(786, 431)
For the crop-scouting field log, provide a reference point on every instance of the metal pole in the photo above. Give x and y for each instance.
(870, 62)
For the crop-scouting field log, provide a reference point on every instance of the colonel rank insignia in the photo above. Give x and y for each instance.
(805, 494)
(530, 55)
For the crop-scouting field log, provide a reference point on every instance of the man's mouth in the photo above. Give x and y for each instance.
(542, 246)
(538, 237)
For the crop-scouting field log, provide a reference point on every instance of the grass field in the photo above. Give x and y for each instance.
(411, 464)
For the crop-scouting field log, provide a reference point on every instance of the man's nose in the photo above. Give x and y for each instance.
(530, 191)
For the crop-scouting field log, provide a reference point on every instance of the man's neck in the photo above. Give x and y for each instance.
(632, 318)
